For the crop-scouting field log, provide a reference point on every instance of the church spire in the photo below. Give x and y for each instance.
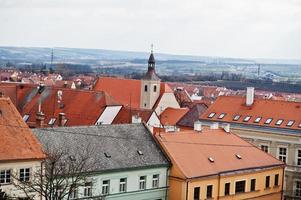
(151, 60)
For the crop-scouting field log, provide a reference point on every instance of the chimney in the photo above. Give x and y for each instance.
(227, 128)
(197, 126)
(136, 119)
(214, 125)
(62, 119)
(40, 119)
(250, 96)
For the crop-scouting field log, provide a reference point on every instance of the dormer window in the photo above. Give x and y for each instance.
(221, 116)
(211, 115)
(145, 88)
(268, 121)
(211, 160)
(51, 121)
(279, 122)
(247, 118)
(25, 118)
(257, 120)
(290, 123)
(236, 117)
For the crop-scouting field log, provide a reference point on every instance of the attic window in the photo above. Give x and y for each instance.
(290, 123)
(211, 160)
(221, 116)
(247, 118)
(140, 153)
(236, 117)
(268, 121)
(25, 118)
(211, 115)
(238, 156)
(107, 155)
(279, 122)
(51, 121)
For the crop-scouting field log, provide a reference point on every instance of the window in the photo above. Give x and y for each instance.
(145, 88)
(299, 125)
(211, 115)
(155, 88)
(298, 189)
(253, 185)
(105, 187)
(155, 180)
(267, 181)
(88, 189)
(279, 122)
(25, 118)
(5, 176)
(298, 157)
(264, 148)
(51, 121)
(24, 174)
(236, 117)
(268, 121)
(290, 123)
(122, 185)
(240, 186)
(257, 120)
(209, 191)
(247, 118)
(282, 154)
(227, 189)
(74, 192)
(221, 116)
(142, 182)
(196, 193)
(276, 180)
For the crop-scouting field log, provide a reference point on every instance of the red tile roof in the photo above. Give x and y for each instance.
(190, 152)
(170, 116)
(17, 141)
(125, 91)
(125, 115)
(264, 108)
(81, 107)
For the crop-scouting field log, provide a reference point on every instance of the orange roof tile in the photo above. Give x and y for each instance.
(125, 115)
(264, 108)
(190, 152)
(17, 141)
(170, 116)
(81, 107)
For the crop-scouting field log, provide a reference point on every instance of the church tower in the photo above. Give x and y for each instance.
(150, 85)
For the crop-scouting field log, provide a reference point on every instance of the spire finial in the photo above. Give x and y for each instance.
(152, 48)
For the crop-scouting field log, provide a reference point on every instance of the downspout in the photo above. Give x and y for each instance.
(187, 190)
(282, 192)
(218, 186)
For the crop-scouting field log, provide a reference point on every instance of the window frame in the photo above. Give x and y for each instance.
(279, 122)
(243, 180)
(6, 182)
(26, 117)
(267, 183)
(276, 180)
(211, 191)
(265, 145)
(227, 192)
(105, 187)
(236, 117)
(252, 187)
(88, 189)
(196, 194)
(145, 88)
(221, 116)
(155, 181)
(247, 118)
(155, 88)
(278, 153)
(290, 123)
(52, 121)
(297, 190)
(123, 185)
(74, 192)
(297, 156)
(142, 182)
(268, 121)
(257, 119)
(211, 115)
(25, 178)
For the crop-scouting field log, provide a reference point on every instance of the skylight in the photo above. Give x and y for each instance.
(25, 118)
(211, 115)
(290, 123)
(257, 120)
(211, 159)
(299, 125)
(238, 156)
(107, 155)
(247, 118)
(279, 122)
(236, 117)
(51, 121)
(140, 153)
(221, 116)
(268, 121)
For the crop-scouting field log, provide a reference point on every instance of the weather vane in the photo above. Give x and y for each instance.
(152, 48)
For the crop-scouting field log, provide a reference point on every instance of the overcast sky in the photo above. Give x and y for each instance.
(228, 28)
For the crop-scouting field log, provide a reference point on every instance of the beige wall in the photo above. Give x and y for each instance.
(167, 100)
(11, 189)
(148, 98)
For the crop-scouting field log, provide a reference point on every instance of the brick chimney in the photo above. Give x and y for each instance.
(40, 119)
(250, 96)
(62, 119)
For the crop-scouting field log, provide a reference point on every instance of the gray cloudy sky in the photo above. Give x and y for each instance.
(229, 28)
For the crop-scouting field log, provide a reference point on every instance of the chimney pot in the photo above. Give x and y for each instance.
(227, 128)
(136, 119)
(62, 119)
(197, 126)
(214, 125)
(250, 96)
(40, 119)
